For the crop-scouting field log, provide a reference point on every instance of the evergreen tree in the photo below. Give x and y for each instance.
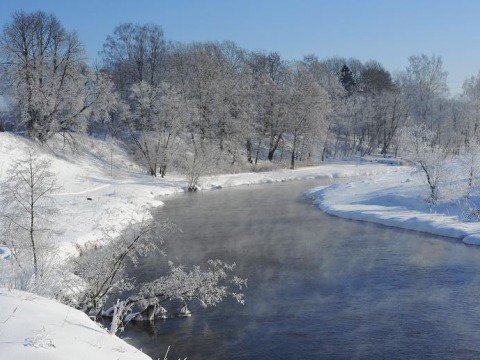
(347, 80)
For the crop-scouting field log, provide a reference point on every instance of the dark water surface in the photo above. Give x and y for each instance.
(320, 287)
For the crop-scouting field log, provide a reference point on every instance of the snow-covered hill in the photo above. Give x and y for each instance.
(32, 327)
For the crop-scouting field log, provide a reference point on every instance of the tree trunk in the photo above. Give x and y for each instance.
(273, 147)
(258, 151)
(249, 151)
(292, 161)
(163, 171)
(32, 223)
(32, 241)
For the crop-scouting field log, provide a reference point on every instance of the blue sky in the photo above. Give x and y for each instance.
(388, 31)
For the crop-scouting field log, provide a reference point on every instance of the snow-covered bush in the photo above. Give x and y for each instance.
(102, 268)
(209, 286)
(430, 159)
(471, 166)
(200, 161)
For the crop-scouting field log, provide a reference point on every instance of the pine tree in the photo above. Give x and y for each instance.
(347, 80)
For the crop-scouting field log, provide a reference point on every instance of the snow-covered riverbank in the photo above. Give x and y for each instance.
(102, 187)
(397, 198)
(32, 327)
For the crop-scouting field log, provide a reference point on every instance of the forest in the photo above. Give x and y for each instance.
(203, 107)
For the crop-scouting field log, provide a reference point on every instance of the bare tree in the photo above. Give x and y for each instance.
(134, 53)
(307, 110)
(102, 271)
(27, 214)
(156, 118)
(48, 80)
(418, 146)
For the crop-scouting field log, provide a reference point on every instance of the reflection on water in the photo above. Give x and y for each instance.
(319, 286)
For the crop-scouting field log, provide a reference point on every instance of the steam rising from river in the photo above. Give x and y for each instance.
(318, 285)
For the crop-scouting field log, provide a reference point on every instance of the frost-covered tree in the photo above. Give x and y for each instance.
(424, 86)
(470, 160)
(134, 53)
(102, 271)
(200, 160)
(48, 81)
(174, 115)
(308, 107)
(156, 118)
(101, 268)
(271, 97)
(208, 285)
(142, 120)
(418, 146)
(471, 116)
(27, 215)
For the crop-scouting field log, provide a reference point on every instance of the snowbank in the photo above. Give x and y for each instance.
(396, 198)
(32, 327)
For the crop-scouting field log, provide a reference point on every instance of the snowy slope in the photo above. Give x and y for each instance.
(396, 198)
(32, 327)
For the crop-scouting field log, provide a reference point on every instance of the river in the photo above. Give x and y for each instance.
(320, 287)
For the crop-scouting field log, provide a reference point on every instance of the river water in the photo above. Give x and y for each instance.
(320, 287)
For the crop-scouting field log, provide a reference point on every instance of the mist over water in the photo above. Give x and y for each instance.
(319, 286)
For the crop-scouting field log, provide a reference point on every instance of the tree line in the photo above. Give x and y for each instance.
(194, 106)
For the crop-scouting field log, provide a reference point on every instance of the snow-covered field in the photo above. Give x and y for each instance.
(32, 327)
(397, 198)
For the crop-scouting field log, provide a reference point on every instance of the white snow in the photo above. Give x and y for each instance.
(397, 198)
(32, 327)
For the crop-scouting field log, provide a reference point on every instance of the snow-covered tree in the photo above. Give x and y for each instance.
(200, 160)
(102, 268)
(470, 160)
(156, 118)
(102, 271)
(134, 53)
(424, 84)
(308, 108)
(48, 80)
(208, 285)
(471, 116)
(418, 146)
(271, 97)
(27, 215)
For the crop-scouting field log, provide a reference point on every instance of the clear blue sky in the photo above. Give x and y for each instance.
(388, 31)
